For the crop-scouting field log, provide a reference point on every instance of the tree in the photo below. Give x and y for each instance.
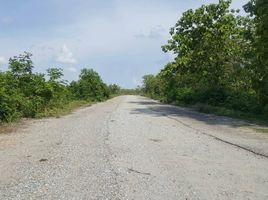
(55, 74)
(21, 65)
(90, 86)
(151, 86)
(259, 66)
(114, 89)
(59, 91)
(24, 93)
(210, 49)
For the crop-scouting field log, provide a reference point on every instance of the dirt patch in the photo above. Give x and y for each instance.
(12, 127)
(8, 128)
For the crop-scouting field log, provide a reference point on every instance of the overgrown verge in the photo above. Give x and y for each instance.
(28, 94)
(63, 109)
(222, 111)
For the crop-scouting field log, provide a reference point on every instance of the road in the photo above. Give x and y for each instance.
(131, 147)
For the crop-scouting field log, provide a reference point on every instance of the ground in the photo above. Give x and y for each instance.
(131, 147)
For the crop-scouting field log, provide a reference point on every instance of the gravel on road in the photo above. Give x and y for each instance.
(131, 147)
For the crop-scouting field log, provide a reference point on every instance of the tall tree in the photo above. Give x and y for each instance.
(210, 47)
(259, 9)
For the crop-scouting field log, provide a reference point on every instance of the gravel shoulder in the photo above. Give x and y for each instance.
(131, 147)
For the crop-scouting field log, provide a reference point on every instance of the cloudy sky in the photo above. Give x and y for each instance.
(120, 39)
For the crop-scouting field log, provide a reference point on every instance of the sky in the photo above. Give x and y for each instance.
(120, 39)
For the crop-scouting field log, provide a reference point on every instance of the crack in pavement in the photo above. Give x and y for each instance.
(110, 153)
(212, 136)
(139, 172)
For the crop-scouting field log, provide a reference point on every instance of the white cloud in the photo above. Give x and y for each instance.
(155, 33)
(3, 60)
(65, 56)
(72, 69)
(136, 81)
(86, 36)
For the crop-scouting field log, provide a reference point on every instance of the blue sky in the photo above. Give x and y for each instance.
(120, 39)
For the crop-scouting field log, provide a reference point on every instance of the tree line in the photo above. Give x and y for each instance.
(221, 59)
(24, 93)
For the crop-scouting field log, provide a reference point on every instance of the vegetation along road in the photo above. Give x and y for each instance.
(131, 147)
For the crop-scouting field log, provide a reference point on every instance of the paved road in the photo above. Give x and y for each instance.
(131, 147)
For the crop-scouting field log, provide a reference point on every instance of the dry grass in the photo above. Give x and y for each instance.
(10, 127)
(64, 110)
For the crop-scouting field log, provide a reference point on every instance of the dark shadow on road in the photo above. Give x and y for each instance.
(190, 118)
(144, 102)
(158, 110)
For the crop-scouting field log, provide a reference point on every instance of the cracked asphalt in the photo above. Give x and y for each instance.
(131, 147)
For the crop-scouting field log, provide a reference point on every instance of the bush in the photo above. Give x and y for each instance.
(9, 108)
(242, 101)
(185, 95)
(27, 94)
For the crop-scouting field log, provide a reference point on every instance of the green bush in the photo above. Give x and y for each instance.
(185, 95)
(242, 101)
(24, 93)
(9, 108)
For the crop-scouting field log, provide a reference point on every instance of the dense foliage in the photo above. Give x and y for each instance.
(24, 93)
(221, 59)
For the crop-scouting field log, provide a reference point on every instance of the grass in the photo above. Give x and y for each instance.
(8, 127)
(58, 111)
(257, 129)
(63, 109)
(222, 111)
(261, 130)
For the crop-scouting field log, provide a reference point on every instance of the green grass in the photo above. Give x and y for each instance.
(222, 111)
(63, 109)
(56, 111)
(261, 130)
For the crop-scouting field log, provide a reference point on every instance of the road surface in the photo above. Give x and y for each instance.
(131, 147)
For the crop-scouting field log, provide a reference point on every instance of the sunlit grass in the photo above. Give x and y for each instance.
(64, 109)
(261, 130)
